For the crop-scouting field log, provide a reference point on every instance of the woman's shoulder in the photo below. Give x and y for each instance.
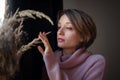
(96, 58)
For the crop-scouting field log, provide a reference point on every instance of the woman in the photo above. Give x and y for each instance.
(76, 32)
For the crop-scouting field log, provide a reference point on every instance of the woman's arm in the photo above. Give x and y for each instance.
(52, 66)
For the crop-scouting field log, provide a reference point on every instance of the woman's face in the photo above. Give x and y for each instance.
(67, 35)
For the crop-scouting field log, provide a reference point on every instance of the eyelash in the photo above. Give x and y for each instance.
(69, 28)
(66, 28)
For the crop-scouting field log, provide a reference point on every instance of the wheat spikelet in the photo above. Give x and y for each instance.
(30, 13)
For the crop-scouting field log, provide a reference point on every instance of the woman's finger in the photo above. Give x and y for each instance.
(40, 49)
(44, 39)
(46, 43)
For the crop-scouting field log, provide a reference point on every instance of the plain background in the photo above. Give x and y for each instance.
(106, 15)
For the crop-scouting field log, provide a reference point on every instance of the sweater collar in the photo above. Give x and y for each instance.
(77, 58)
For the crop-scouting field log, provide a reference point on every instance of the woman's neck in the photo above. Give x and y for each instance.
(68, 51)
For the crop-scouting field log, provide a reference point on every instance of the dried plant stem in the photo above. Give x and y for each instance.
(30, 13)
(33, 43)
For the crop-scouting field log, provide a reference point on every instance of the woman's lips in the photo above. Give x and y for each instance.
(60, 40)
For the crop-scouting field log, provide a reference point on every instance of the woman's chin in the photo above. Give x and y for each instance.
(60, 46)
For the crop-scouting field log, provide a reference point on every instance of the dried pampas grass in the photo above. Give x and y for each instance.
(30, 13)
(10, 48)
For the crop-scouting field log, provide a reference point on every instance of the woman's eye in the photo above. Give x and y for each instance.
(70, 28)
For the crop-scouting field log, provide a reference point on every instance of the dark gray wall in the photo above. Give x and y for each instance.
(106, 14)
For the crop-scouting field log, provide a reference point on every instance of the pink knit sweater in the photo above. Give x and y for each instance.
(81, 65)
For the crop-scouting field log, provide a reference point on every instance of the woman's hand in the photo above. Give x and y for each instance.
(46, 43)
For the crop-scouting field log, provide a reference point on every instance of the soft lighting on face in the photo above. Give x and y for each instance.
(2, 11)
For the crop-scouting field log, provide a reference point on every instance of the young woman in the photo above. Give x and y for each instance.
(76, 32)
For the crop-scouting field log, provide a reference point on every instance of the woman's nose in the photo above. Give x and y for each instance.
(60, 32)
